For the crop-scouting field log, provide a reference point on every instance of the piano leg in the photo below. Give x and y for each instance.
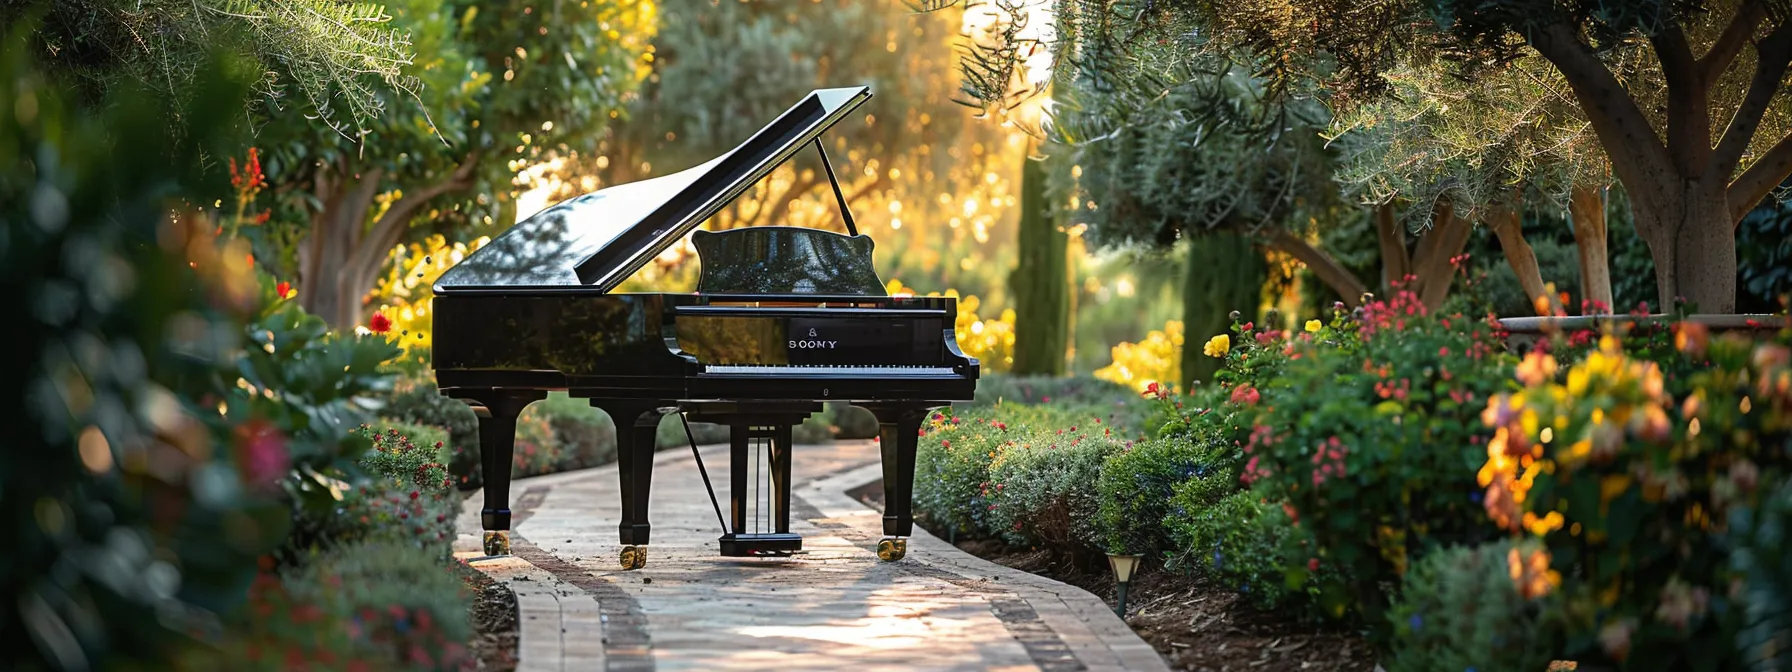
(899, 432)
(497, 411)
(637, 424)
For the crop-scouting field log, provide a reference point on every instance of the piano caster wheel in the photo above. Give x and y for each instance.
(891, 550)
(497, 542)
(634, 557)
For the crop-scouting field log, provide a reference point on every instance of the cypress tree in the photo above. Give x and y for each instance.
(1040, 281)
(1225, 273)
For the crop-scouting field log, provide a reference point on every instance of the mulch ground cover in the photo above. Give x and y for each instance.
(1194, 624)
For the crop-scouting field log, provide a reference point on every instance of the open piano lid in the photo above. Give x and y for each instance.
(601, 238)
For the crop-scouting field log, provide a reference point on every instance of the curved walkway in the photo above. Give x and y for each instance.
(833, 607)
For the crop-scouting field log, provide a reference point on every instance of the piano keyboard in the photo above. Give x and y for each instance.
(812, 370)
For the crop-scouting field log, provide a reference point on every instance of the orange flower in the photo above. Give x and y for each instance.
(283, 290)
(1537, 368)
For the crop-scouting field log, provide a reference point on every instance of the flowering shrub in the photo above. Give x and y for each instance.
(1370, 438)
(1457, 611)
(1242, 542)
(1038, 488)
(407, 294)
(1631, 490)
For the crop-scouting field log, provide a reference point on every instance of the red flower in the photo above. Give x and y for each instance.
(1312, 564)
(380, 324)
(281, 290)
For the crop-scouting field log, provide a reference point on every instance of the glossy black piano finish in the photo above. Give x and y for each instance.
(785, 318)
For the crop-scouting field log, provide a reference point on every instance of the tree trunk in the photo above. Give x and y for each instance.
(1225, 273)
(1693, 242)
(1508, 224)
(1040, 281)
(1705, 257)
(1586, 207)
(1431, 265)
(1395, 265)
(341, 255)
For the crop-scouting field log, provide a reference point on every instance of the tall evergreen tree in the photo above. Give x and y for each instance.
(1041, 281)
(1225, 273)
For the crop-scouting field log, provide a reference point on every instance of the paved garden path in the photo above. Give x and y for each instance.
(834, 607)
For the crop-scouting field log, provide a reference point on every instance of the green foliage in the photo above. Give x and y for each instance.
(1040, 282)
(581, 435)
(1136, 486)
(376, 604)
(415, 400)
(306, 384)
(134, 510)
(953, 460)
(1458, 610)
(1039, 490)
(1242, 542)
(1374, 445)
(1762, 561)
(317, 58)
(1063, 391)
(849, 422)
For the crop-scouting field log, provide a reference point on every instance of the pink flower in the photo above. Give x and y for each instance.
(261, 454)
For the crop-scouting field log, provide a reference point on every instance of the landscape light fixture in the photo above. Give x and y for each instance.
(1123, 566)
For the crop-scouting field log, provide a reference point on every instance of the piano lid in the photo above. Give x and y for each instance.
(602, 238)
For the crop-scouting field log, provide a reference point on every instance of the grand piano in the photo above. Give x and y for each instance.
(783, 319)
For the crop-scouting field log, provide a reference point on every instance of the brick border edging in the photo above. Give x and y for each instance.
(627, 645)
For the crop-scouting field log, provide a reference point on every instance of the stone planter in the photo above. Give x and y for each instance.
(1527, 330)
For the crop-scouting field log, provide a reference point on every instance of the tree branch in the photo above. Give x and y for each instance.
(1637, 153)
(1771, 58)
(1689, 112)
(1330, 272)
(1507, 223)
(1760, 179)
(1713, 64)
(385, 232)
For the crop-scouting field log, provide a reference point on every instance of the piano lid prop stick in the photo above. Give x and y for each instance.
(839, 196)
(704, 472)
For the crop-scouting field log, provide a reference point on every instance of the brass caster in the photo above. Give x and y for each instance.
(891, 550)
(497, 542)
(634, 557)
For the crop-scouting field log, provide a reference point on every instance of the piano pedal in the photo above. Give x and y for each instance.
(496, 543)
(634, 557)
(891, 549)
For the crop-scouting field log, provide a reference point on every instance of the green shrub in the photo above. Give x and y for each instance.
(671, 434)
(416, 401)
(407, 497)
(1241, 542)
(1458, 609)
(579, 435)
(1042, 488)
(1763, 562)
(1136, 484)
(1064, 390)
(953, 458)
(374, 604)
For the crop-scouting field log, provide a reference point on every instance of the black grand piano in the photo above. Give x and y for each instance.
(784, 318)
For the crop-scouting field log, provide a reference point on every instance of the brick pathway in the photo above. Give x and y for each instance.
(834, 607)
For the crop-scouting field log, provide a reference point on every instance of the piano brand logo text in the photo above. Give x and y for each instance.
(813, 343)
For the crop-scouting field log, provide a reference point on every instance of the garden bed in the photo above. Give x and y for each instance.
(1192, 623)
(495, 629)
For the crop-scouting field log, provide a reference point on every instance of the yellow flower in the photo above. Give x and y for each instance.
(1217, 346)
(1313, 326)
